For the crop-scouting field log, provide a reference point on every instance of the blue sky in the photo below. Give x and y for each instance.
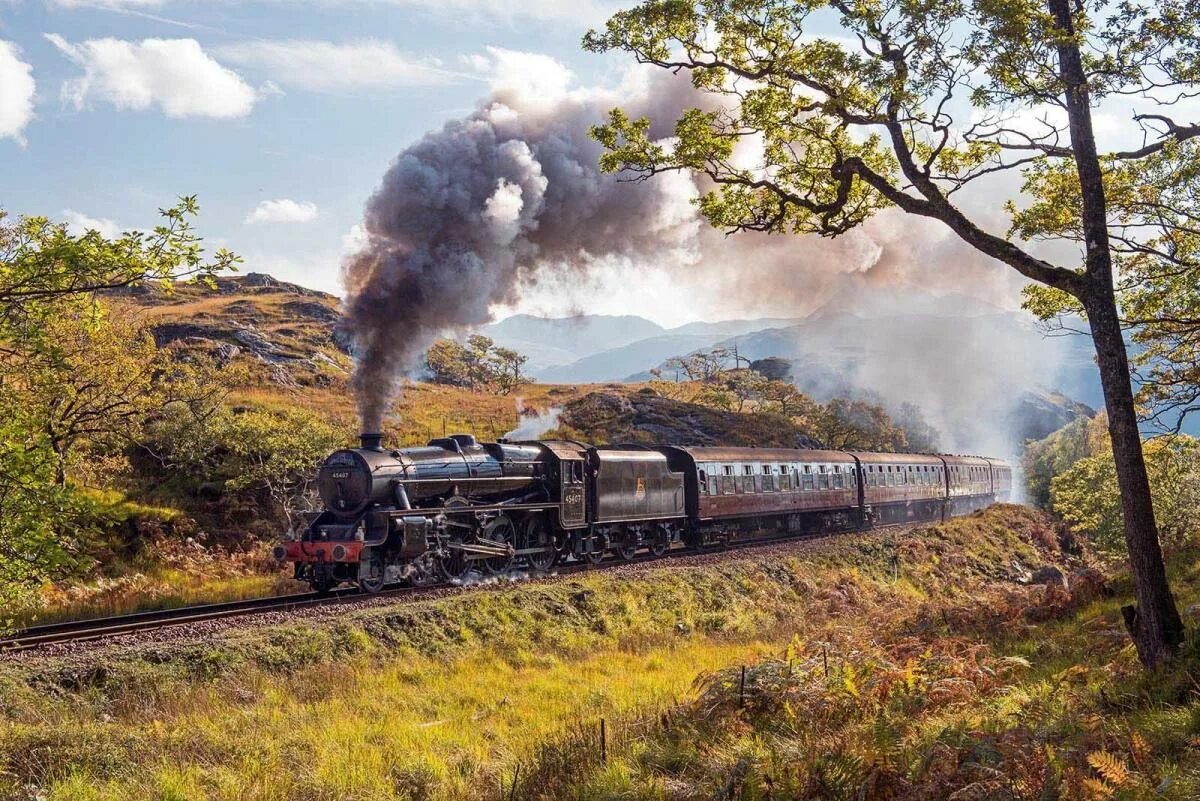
(275, 101)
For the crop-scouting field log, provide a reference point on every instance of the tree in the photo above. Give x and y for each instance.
(506, 369)
(92, 376)
(477, 364)
(41, 261)
(846, 130)
(1086, 493)
(1054, 454)
(446, 361)
(919, 435)
(703, 365)
(856, 425)
(69, 375)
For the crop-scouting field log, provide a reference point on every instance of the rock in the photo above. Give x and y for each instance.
(226, 352)
(166, 333)
(1051, 576)
(259, 345)
(311, 310)
(243, 309)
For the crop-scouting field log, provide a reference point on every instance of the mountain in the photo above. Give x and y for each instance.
(613, 364)
(596, 347)
(551, 341)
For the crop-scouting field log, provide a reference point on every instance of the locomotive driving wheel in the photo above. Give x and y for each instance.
(536, 534)
(499, 531)
(460, 524)
(370, 586)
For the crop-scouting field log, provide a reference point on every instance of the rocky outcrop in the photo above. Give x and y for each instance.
(644, 417)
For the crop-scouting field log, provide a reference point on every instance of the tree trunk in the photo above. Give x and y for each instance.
(1154, 622)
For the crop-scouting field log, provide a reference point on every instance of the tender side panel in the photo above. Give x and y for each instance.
(636, 485)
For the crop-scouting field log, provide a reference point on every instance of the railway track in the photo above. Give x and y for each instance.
(106, 627)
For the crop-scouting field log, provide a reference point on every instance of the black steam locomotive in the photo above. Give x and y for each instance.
(437, 513)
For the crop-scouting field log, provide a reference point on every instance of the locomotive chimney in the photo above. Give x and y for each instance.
(371, 442)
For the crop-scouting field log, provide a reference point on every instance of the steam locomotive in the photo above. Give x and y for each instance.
(436, 513)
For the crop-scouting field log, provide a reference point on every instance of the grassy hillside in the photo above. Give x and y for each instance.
(915, 664)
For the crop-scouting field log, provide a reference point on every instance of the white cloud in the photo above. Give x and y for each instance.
(173, 74)
(533, 75)
(16, 92)
(355, 239)
(327, 67)
(283, 210)
(79, 224)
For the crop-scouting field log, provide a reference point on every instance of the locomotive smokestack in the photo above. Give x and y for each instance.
(371, 442)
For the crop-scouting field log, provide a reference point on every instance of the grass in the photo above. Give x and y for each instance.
(454, 698)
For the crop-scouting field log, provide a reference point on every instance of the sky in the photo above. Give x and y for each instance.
(281, 116)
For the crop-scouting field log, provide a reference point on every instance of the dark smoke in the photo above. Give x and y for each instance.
(471, 212)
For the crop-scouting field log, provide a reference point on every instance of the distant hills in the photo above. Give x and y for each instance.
(987, 378)
(594, 347)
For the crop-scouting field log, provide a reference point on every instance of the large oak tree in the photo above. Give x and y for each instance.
(915, 101)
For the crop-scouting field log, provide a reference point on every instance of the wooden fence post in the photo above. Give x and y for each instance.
(603, 742)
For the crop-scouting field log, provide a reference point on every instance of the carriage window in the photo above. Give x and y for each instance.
(703, 476)
(766, 468)
(728, 468)
(748, 469)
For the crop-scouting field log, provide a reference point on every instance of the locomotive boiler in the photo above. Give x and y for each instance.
(440, 512)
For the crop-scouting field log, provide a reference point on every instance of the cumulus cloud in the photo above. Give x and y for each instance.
(329, 67)
(283, 210)
(175, 75)
(17, 89)
(79, 224)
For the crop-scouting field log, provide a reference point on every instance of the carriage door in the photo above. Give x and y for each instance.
(573, 512)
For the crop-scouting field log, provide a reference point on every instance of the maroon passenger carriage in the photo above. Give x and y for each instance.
(456, 505)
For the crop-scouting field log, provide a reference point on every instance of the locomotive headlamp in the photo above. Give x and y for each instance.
(339, 553)
(359, 533)
(289, 535)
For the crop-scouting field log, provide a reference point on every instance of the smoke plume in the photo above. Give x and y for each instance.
(470, 213)
(484, 211)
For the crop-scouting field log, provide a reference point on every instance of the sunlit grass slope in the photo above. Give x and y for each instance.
(459, 697)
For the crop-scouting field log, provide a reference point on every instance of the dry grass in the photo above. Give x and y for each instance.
(445, 699)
